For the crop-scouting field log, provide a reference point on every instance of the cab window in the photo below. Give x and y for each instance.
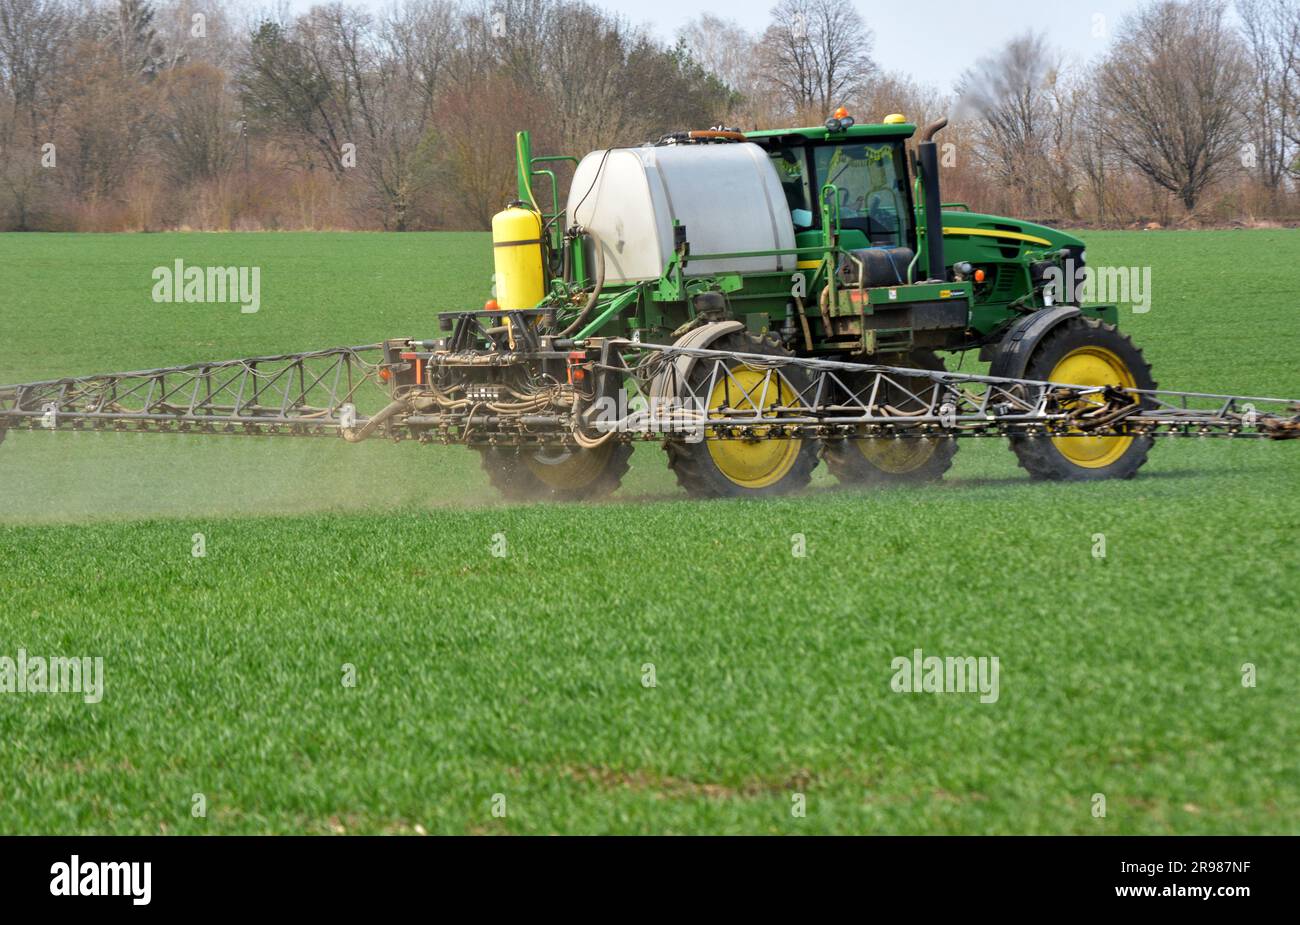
(792, 170)
(871, 186)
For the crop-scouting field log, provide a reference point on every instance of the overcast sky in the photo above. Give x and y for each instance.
(932, 40)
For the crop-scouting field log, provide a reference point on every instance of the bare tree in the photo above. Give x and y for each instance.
(724, 49)
(1271, 29)
(136, 38)
(34, 39)
(350, 94)
(1288, 42)
(197, 123)
(287, 95)
(196, 31)
(476, 143)
(1099, 165)
(584, 77)
(510, 36)
(1067, 97)
(816, 54)
(104, 122)
(422, 36)
(897, 93)
(33, 42)
(1172, 90)
(309, 82)
(1011, 95)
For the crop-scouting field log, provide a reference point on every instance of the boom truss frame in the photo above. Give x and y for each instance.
(318, 393)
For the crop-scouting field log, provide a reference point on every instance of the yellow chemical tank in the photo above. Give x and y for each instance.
(517, 257)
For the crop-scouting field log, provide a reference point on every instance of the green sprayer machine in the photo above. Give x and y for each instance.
(754, 301)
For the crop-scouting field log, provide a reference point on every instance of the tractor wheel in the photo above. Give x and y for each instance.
(735, 468)
(556, 473)
(893, 460)
(1085, 351)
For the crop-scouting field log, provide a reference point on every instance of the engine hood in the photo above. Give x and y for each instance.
(1001, 232)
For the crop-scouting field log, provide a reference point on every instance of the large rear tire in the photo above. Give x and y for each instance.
(1085, 351)
(744, 468)
(556, 473)
(893, 460)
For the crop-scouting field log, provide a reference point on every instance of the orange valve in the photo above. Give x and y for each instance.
(979, 276)
(576, 372)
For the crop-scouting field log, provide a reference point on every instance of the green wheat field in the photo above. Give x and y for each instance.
(515, 683)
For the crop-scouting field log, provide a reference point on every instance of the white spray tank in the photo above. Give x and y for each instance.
(727, 196)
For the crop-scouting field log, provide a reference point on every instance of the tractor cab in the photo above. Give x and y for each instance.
(855, 174)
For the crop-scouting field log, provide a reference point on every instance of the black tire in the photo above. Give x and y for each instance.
(890, 460)
(1043, 457)
(555, 474)
(696, 465)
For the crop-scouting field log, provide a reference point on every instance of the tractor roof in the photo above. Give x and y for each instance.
(819, 132)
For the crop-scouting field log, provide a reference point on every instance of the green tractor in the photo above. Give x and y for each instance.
(756, 302)
(805, 242)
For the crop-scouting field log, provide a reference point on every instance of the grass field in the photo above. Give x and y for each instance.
(522, 675)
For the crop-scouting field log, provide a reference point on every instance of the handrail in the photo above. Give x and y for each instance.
(555, 189)
(734, 255)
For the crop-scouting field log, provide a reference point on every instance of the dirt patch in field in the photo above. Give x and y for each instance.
(666, 786)
(670, 787)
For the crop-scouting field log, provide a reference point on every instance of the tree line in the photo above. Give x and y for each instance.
(143, 115)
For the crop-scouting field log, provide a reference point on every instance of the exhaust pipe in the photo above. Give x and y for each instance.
(928, 158)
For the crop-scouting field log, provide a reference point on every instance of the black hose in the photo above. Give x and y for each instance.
(595, 292)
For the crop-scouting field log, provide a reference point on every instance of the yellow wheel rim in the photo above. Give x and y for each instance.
(1092, 366)
(751, 463)
(899, 456)
(896, 456)
(569, 469)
